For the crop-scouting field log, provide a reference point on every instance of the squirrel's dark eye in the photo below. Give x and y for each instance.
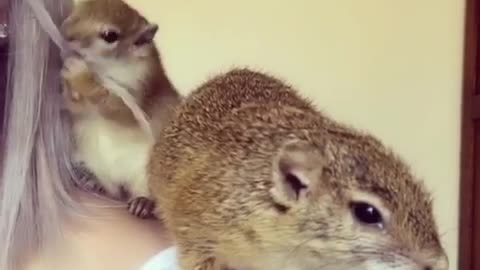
(366, 213)
(110, 36)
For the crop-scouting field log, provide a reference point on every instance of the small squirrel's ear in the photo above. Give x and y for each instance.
(147, 35)
(297, 169)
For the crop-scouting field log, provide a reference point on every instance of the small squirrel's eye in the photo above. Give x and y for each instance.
(366, 213)
(110, 36)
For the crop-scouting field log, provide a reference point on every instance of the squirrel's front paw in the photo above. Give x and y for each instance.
(141, 207)
(74, 73)
(74, 66)
(79, 82)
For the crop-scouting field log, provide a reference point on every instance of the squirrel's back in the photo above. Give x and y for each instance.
(239, 116)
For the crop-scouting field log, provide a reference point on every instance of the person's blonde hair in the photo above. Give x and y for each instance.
(35, 184)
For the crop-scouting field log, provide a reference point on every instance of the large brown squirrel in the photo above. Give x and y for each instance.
(250, 175)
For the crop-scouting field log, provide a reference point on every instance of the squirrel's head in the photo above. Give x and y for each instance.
(342, 201)
(109, 30)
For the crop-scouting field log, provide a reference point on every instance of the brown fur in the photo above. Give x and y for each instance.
(157, 98)
(98, 114)
(158, 92)
(211, 175)
(114, 12)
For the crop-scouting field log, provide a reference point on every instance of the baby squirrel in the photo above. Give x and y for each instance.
(250, 175)
(113, 40)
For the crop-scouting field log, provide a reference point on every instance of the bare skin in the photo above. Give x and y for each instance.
(94, 244)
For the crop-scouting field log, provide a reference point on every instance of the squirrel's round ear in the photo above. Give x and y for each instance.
(153, 28)
(147, 35)
(297, 169)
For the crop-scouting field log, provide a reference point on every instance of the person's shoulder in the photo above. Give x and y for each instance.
(165, 260)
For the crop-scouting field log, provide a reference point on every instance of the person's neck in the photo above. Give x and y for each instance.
(106, 237)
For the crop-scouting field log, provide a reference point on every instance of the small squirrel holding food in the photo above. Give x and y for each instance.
(112, 41)
(250, 175)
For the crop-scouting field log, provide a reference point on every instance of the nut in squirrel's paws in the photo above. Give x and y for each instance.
(141, 207)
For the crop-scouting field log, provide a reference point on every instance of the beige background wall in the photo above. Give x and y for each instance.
(391, 67)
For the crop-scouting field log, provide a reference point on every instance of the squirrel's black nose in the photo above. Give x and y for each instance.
(427, 268)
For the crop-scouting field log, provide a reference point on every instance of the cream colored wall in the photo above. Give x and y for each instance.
(392, 67)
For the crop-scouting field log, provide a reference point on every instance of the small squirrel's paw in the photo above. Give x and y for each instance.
(94, 186)
(197, 259)
(87, 180)
(209, 264)
(141, 207)
(73, 71)
(79, 82)
(72, 67)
